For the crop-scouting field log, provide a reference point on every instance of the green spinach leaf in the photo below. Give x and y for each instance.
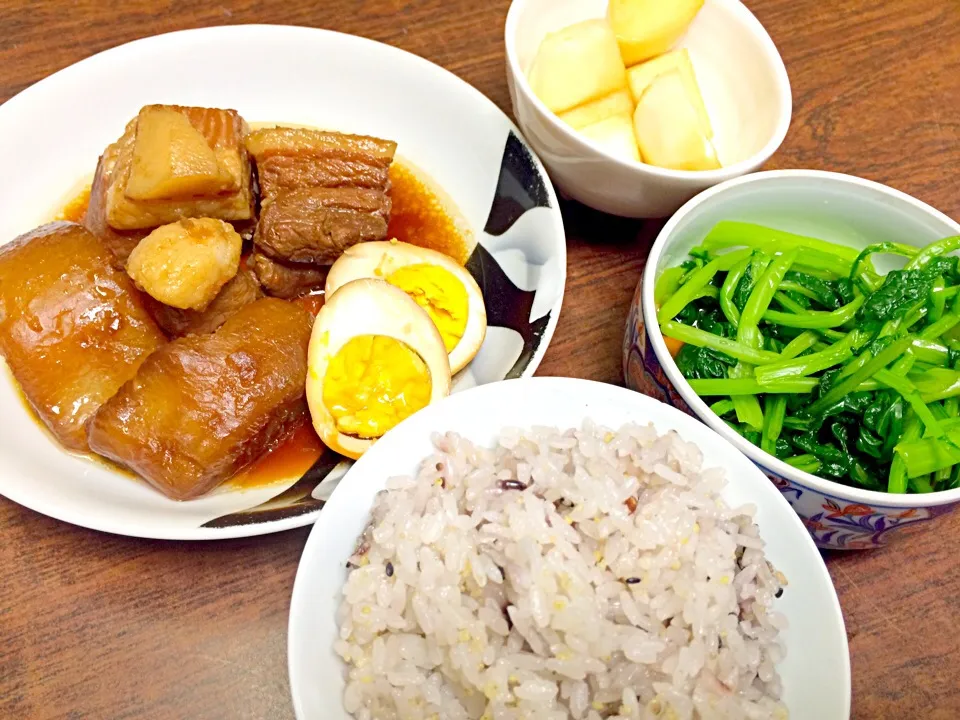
(697, 363)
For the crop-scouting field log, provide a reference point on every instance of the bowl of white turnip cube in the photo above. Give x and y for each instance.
(635, 106)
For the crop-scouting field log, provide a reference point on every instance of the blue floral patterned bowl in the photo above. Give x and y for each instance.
(839, 207)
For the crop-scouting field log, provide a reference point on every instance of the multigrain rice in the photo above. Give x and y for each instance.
(523, 582)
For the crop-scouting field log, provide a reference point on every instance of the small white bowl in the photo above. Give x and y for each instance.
(816, 670)
(831, 206)
(744, 85)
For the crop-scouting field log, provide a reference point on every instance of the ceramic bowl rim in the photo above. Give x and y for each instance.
(828, 488)
(773, 58)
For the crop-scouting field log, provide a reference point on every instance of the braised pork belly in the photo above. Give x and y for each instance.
(287, 280)
(175, 162)
(120, 242)
(144, 333)
(291, 158)
(321, 192)
(315, 225)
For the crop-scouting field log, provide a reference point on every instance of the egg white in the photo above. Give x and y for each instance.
(380, 259)
(368, 307)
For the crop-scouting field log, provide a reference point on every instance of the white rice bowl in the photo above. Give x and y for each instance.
(814, 672)
(584, 573)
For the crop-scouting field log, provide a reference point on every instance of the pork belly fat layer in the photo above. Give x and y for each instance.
(315, 225)
(204, 407)
(267, 142)
(73, 328)
(292, 158)
(223, 130)
(287, 280)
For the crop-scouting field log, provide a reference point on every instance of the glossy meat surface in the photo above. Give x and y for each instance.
(289, 172)
(73, 328)
(317, 224)
(204, 407)
(295, 158)
(242, 290)
(223, 130)
(321, 193)
(173, 159)
(291, 158)
(120, 242)
(287, 280)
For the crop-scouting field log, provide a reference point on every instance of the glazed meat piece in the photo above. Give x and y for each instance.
(291, 158)
(167, 175)
(321, 193)
(120, 243)
(242, 290)
(316, 225)
(203, 407)
(173, 159)
(73, 328)
(287, 280)
(288, 172)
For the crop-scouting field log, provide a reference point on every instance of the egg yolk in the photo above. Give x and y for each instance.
(372, 383)
(440, 293)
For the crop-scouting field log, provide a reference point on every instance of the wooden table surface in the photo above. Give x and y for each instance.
(103, 627)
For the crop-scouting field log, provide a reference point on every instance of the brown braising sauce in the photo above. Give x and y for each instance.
(76, 208)
(420, 216)
(290, 459)
(28, 408)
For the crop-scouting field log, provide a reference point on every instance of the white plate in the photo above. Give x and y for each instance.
(816, 671)
(52, 133)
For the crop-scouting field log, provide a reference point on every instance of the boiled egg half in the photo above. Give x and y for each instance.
(437, 283)
(375, 358)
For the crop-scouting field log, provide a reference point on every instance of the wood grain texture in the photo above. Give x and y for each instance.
(102, 627)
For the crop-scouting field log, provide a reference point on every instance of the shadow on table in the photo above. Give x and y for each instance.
(598, 228)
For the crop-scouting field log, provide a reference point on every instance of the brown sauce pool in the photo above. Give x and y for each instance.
(289, 460)
(421, 216)
(76, 208)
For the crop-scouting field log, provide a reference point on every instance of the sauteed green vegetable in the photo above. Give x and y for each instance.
(811, 354)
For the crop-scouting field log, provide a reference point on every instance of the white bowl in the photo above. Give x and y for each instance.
(744, 85)
(816, 671)
(831, 206)
(53, 132)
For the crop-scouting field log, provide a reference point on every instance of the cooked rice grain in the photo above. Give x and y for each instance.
(472, 598)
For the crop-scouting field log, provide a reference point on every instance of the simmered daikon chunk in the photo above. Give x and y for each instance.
(203, 407)
(72, 327)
